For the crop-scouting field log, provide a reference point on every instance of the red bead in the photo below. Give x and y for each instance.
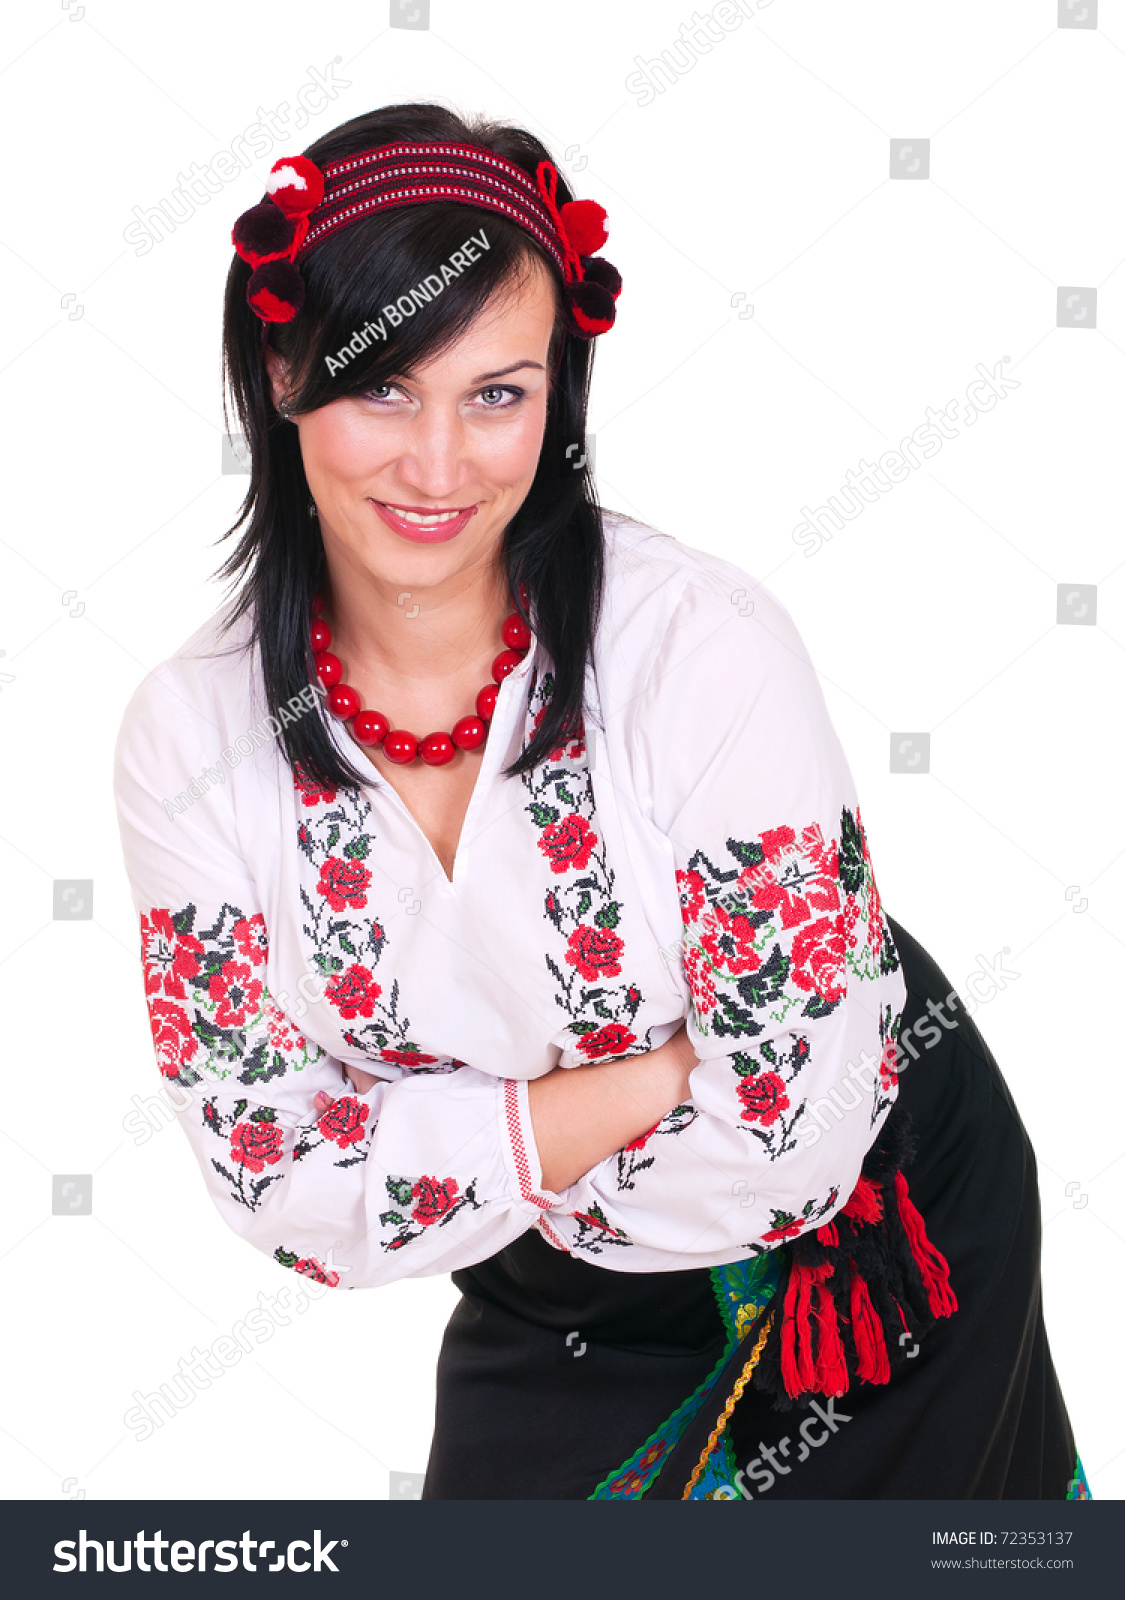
(469, 732)
(504, 663)
(400, 746)
(436, 749)
(370, 727)
(321, 635)
(343, 701)
(515, 632)
(486, 702)
(329, 668)
(317, 603)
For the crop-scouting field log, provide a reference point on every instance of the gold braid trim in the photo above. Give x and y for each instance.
(735, 1397)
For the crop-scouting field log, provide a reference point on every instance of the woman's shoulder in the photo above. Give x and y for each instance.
(664, 598)
(202, 688)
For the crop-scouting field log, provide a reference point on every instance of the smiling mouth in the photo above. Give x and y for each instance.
(425, 519)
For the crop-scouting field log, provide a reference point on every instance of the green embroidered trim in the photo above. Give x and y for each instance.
(1078, 1488)
(742, 1289)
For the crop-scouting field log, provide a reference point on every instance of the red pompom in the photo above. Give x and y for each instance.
(584, 221)
(595, 269)
(592, 310)
(262, 234)
(276, 291)
(296, 184)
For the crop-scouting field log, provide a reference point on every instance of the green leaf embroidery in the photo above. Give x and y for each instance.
(609, 915)
(542, 815)
(356, 849)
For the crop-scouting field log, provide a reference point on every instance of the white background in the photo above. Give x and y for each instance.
(762, 170)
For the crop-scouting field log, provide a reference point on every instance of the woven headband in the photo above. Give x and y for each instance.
(307, 204)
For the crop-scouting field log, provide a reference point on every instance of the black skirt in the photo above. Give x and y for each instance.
(561, 1380)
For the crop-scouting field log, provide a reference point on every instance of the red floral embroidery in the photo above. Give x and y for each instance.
(310, 792)
(596, 952)
(818, 955)
(702, 985)
(763, 1098)
(344, 1121)
(353, 992)
(568, 843)
(251, 938)
(237, 992)
(256, 1144)
(612, 1040)
(406, 1058)
(344, 883)
(433, 1199)
(796, 877)
(172, 1035)
(170, 959)
(729, 941)
(693, 894)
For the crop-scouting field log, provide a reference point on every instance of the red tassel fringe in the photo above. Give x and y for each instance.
(873, 1365)
(865, 1204)
(931, 1263)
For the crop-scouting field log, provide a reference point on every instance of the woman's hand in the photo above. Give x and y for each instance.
(582, 1115)
(360, 1081)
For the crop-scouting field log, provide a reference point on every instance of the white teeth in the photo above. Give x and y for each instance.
(427, 520)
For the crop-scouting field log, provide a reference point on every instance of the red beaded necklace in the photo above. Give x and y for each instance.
(372, 727)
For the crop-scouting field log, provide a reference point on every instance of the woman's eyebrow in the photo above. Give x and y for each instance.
(487, 377)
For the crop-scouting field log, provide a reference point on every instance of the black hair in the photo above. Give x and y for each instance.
(554, 544)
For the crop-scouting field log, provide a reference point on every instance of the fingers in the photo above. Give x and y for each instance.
(322, 1102)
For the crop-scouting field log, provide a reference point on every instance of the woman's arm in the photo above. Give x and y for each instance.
(582, 1115)
(421, 1173)
(790, 976)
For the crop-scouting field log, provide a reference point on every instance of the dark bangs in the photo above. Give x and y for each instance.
(554, 543)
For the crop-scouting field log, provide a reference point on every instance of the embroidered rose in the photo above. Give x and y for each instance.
(596, 952)
(763, 1098)
(251, 938)
(611, 1040)
(344, 1120)
(353, 992)
(406, 1058)
(787, 1227)
(568, 843)
(310, 1267)
(344, 883)
(254, 1144)
(172, 1035)
(729, 941)
(432, 1199)
(237, 993)
(170, 959)
(818, 954)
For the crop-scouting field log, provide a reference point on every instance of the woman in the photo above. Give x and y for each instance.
(598, 1009)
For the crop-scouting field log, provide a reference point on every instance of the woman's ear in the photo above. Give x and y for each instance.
(275, 367)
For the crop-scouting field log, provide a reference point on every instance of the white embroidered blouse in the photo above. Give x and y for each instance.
(697, 852)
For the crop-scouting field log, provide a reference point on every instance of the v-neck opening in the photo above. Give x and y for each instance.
(490, 763)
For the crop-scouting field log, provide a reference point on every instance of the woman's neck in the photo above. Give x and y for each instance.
(415, 633)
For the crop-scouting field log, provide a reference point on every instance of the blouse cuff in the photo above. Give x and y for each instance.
(517, 1140)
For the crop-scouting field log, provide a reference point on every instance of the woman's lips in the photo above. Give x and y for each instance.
(424, 532)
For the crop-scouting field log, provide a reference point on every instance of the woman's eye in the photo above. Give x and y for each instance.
(494, 398)
(382, 393)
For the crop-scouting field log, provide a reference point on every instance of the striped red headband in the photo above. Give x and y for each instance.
(308, 204)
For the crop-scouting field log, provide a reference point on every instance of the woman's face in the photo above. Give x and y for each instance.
(456, 442)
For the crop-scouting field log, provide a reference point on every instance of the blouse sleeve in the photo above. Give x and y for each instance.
(792, 982)
(422, 1174)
